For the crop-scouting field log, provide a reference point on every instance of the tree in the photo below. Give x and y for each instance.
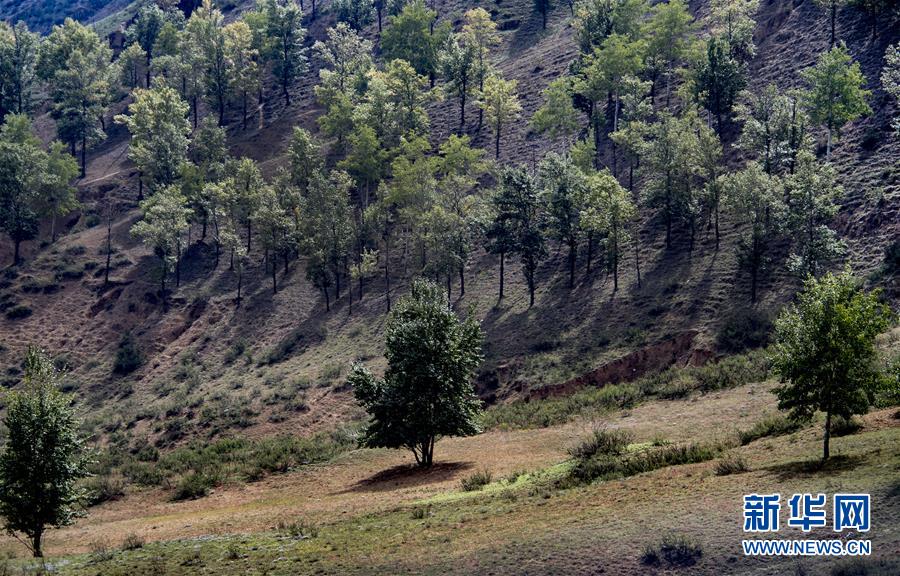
(458, 67)
(542, 7)
(710, 166)
(825, 350)
(241, 61)
(427, 390)
(145, 31)
(812, 193)
(734, 21)
(131, 66)
(206, 35)
(366, 162)
(406, 92)
(18, 54)
(411, 36)
(564, 187)
(595, 20)
(481, 33)
(772, 128)
(163, 223)
(21, 168)
(604, 73)
(669, 160)
(346, 58)
(890, 77)
(522, 204)
(356, 13)
(159, 129)
(500, 102)
(75, 63)
(328, 229)
(284, 28)
(305, 157)
(272, 225)
(720, 77)
(56, 195)
(669, 39)
(609, 211)
(754, 199)
(558, 116)
(44, 456)
(836, 94)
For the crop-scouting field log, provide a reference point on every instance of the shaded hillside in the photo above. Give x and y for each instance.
(210, 366)
(42, 15)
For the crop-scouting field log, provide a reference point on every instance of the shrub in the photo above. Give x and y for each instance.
(299, 529)
(602, 441)
(18, 312)
(731, 464)
(679, 551)
(476, 481)
(104, 488)
(841, 426)
(128, 356)
(101, 551)
(744, 329)
(193, 486)
(608, 465)
(774, 425)
(132, 542)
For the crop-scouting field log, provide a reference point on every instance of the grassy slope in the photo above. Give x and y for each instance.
(364, 505)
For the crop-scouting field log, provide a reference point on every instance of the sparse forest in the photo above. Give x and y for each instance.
(378, 224)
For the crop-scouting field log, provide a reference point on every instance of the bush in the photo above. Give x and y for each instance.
(604, 442)
(193, 486)
(676, 551)
(128, 356)
(299, 529)
(841, 426)
(476, 481)
(101, 551)
(774, 425)
(744, 329)
(609, 465)
(18, 312)
(731, 464)
(104, 488)
(132, 542)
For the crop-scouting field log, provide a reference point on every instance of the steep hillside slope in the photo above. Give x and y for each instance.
(210, 366)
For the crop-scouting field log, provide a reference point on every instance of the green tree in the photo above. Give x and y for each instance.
(305, 158)
(145, 31)
(890, 77)
(427, 390)
(719, 79)
(524, 206)
(366, 162)
(564, 188)
(284, 28)
(18, 64)
(56, 195)
(241, 61)
(21, 169)
(272, 225)
(408, 95)
(412, 36)
(481, 33)
(558, 116)
(75, 63)
(734, 21)
(346, 58)
(609, 212)
(595, 20)
(356, 13)
(159, 129)
(500, 102)
(836, 94)
(812, 193)
(328, 229)
(131, 65)
(458, 68)
(44, 457)
(825, 350)
(755, 200)
(206, 35)
(162, 225)
(669, 39)
(774, 128)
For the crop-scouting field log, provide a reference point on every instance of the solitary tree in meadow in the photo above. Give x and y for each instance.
(44, 457)
(427, 390)
(825, 350)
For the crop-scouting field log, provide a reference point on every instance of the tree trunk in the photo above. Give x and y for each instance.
(274, 277)
(108, 244)
(16, 258)
(502, 258)
(178, 266)
(240, 281)
(572, 257)
(462, 109)
(827, 439)
(449, 295)
(83, 154)
(327, 299)
(497, 144)
(387, 273)
(36, 549)
(462, 281)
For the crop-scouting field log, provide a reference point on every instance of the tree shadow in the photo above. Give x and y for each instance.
(813, 468)
(407, 476)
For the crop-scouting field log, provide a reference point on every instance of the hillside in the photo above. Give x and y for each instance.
(206, 351)
(250, 398)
